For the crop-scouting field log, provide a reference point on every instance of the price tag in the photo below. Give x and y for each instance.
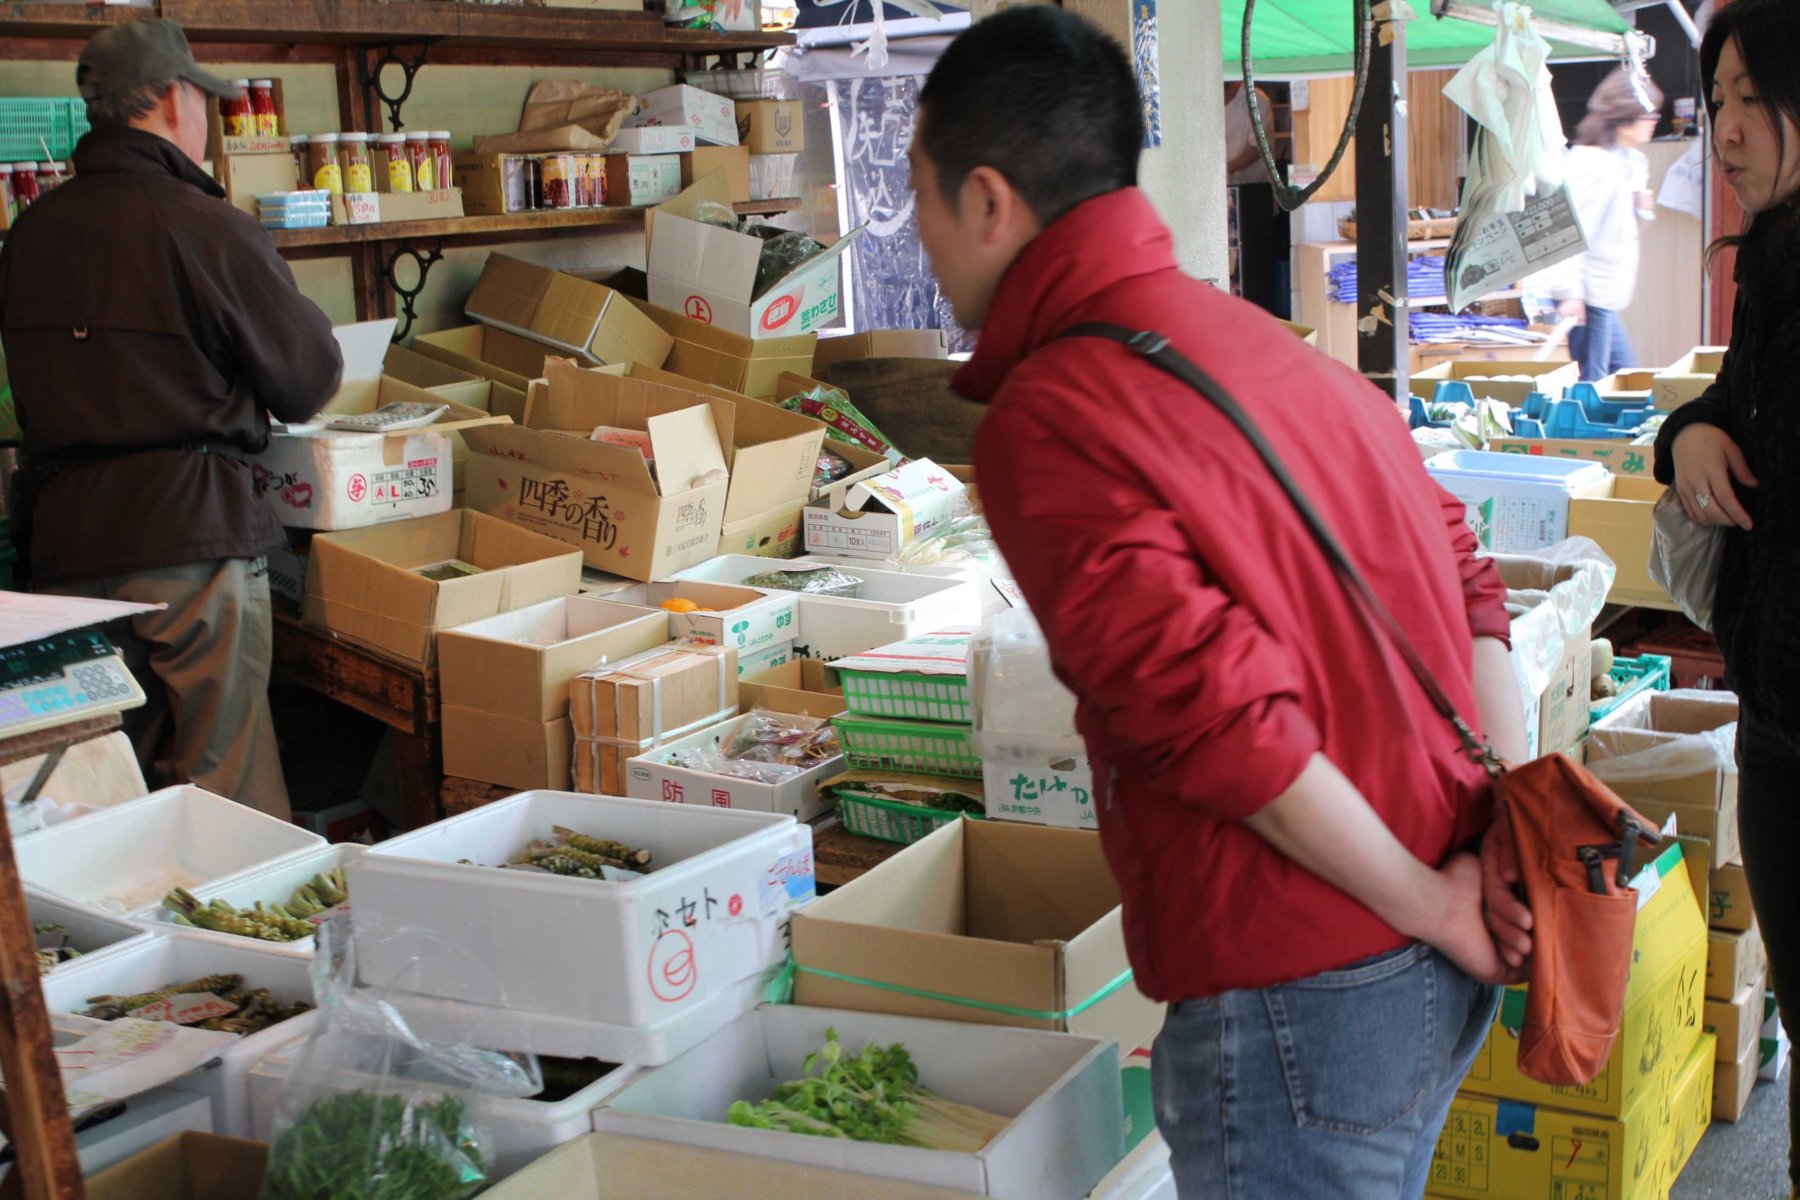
(189, 1009)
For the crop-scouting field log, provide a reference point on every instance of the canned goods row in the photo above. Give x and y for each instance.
(558, 181)
(374, 162)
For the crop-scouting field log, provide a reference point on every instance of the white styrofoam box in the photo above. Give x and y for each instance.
(1040, 791)
(519, 1131)
(124, 858)
(149, 1117)
(1061, 1090)
(334, 479)
(159, 962)
(891, 608)
(765, 660)
(94, 933)
(1517, 503)
(710, 913)
(651, 777)
(772, 176)
(270, 885)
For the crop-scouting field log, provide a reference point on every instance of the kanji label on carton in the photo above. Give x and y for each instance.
(879, 517)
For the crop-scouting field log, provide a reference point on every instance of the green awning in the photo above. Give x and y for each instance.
(1313, 37)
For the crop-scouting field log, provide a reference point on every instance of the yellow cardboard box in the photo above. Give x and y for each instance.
(1662, 1008)
(1505, 1150)
(1733, 962)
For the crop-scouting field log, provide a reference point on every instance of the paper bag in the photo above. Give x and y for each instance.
(563, 114)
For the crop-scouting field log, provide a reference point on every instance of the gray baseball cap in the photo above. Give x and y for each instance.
(135, 54)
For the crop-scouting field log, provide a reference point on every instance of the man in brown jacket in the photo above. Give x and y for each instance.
(150, 331)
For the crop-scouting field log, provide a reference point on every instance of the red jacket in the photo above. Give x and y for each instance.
(1210, 645)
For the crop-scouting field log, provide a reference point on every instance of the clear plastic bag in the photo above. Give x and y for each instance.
(1685, 558)
(1562, 589)
(814, 581)
(374, 1109)
(1022, 712)
(782, 254)
(711, 212)
(767, 737)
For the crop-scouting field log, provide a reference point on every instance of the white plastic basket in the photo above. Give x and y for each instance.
(772, 176)
(270, 885)
(753, 83)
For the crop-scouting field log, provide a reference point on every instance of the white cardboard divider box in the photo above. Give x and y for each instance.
(520, 664)
(1061, 1091)
(520, 1130)
(91, 932)
(652, 777)
(1517, 503)
(711, 119)
(270, 885)
(765, 660)
(880, 517)
(1042, 791)
(161, 961)
(891, 606)
(150, 1118)
(748, 620)
(312, 477)
(124, 858)
(711, 912)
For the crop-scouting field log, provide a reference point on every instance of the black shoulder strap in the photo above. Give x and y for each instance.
(1155, 348)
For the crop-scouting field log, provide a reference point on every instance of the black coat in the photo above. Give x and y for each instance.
(150, 329)
(1757, 401)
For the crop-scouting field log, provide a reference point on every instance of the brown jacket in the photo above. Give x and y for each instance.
(150, 330)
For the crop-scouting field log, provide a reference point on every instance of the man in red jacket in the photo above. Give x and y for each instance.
(1288, 817)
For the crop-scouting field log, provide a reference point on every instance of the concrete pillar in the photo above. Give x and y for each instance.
(1186, 176)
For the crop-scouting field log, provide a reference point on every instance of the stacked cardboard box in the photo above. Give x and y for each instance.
(621, 710)
(1552, 647)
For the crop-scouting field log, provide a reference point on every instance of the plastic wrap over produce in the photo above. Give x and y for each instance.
(372, 1106)
(1022, 711)
(1676, 757)
(1546, 613)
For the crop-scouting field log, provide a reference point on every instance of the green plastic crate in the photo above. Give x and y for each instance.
(892, 821)
(917, 747)
(28, 125)
(1646, 673)
(908, 697)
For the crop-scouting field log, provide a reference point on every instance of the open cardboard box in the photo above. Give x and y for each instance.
(313, 477)
(1701, 793)
(1061, 1091)
(651, 776)
(374, 208)
(1485, 379)
(1688, 377)
(806, 686)
(572, 315)
(1022, 916)
(548, 476)
(1620, 520)
(711, 354)
(520, 663)
(510, 359)
(879, 517)
(709, 273)
(697, 164)
(193, 1166)
(365, 585)
(1563, 708)
(880, 343)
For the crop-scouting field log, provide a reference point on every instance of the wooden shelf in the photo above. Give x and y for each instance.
(386, 22)
(481, 230)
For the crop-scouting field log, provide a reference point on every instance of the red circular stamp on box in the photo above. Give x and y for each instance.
(357, 488)
(699, 309)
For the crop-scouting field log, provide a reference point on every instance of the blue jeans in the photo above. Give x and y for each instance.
(1336, 1085)
(1602, 346)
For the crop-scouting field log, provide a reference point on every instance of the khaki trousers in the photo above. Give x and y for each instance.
(203, 662)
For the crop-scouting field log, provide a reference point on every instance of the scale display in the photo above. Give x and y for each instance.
(62, 679)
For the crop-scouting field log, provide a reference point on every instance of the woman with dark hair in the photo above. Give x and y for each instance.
(1609, 181)
(1733, 456)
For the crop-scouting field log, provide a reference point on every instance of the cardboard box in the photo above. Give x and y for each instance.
(709, 273)
(774, 534)
(1620, 521)
(1502, 1150)
(640, 1169)
(1558, 717)
(508, 359)
(1701, 792)
(521, 663)
(1688, 377)
(639, 180)
(1499, 382)
(1733, 1082)
(880, 343)
(508, 751)
(803, 686)
(733, 160)
(570, 314)
(1621, 458)
(652, 777)
(986, 912)
(766, 660)
(1729, 906)
(1734, 961)
(423, 371)
(1046, 791)
(771, 126)
(1661, 1016)
(1062, 1093)
(312, 477)
(880, 517)
(1515, 505)
(246, 176)
(747, 620)
(1737, 1022)
(364, 583)
(493, 184)
(193, 1166)
(711, 119)
(369, 208)
(642, 703)
(545, 475)
(715, 356)
(1628, 383)
(653, 139)
(772, 176)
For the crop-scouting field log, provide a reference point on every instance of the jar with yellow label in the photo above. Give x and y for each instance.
(353, 152)
(323, 168)
(424, 162)
(399, 167)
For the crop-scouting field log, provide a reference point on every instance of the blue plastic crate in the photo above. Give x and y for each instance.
(28, 125)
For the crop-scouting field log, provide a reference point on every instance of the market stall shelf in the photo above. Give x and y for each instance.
(840, 856)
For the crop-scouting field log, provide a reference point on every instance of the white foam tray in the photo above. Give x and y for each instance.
(96, 934)
(270, 885)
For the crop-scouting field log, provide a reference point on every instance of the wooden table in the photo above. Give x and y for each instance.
(401, 696)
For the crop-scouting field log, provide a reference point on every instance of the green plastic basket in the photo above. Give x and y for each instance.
(28, 125)
(892, 821)
(1646, 673)
(917, 747)
(908, 697)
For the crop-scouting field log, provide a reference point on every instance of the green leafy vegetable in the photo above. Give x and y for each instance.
(358, 1146)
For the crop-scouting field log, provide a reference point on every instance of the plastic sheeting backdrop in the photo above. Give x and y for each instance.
(1316, 35)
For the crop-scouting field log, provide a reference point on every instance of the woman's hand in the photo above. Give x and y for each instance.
(1573, 310)
(1707, 462)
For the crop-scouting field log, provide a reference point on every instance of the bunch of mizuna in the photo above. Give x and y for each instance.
(360, 1146)
(269, 923)
(254, 1008)
(869, 1097)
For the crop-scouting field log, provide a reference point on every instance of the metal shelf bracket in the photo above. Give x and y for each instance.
(423, 260)
(376, 61)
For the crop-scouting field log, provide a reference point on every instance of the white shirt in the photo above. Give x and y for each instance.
(1604, 182)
